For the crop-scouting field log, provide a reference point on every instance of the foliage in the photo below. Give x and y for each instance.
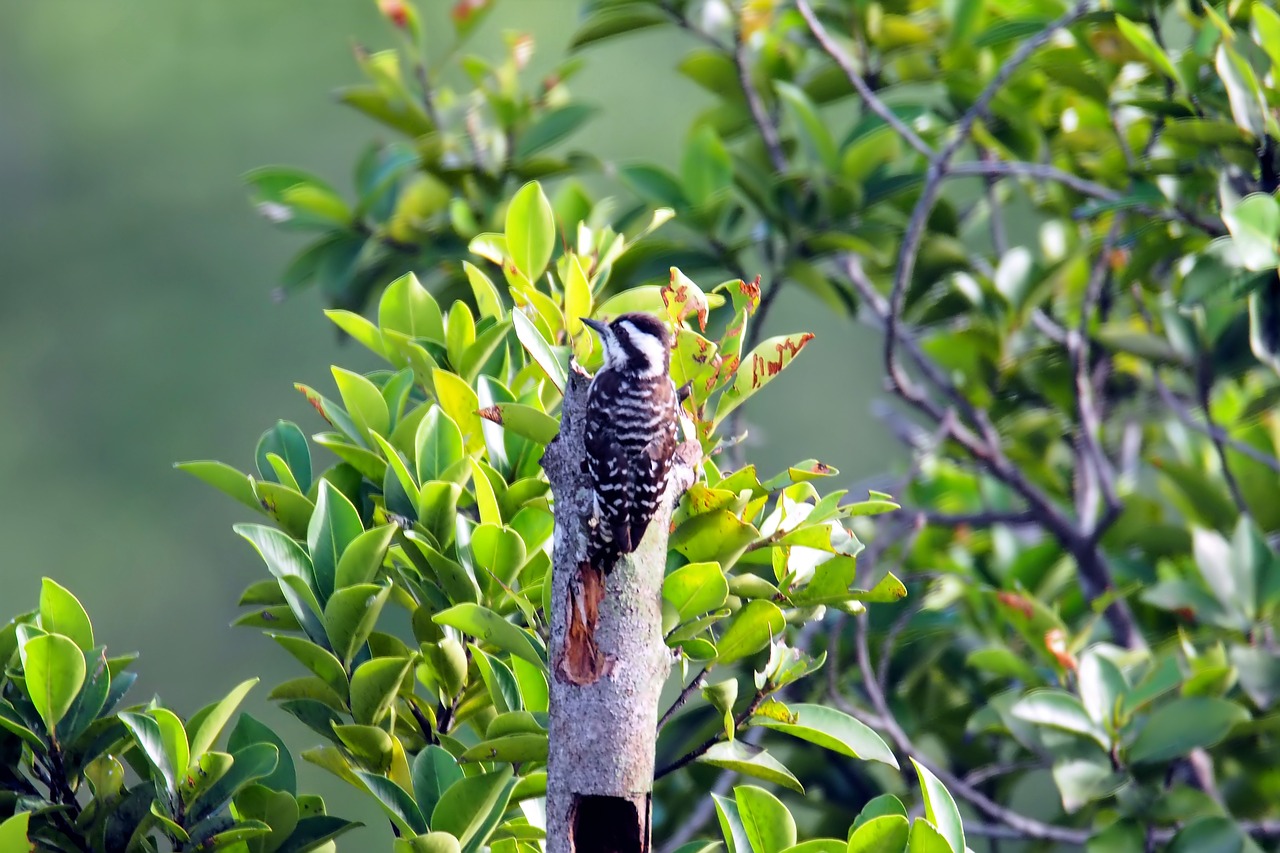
(66, 754)
(437, 507)
(1063, 217)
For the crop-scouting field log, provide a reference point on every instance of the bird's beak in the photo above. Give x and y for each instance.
(600, 326)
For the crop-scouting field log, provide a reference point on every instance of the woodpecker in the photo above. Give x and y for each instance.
(632, 412)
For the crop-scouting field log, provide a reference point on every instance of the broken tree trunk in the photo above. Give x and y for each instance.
(608, 660)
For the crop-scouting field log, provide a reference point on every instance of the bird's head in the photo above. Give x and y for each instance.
(636, 343)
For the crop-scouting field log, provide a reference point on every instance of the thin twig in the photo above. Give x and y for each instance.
(701, 749)
(859, 84)
(768, 131)
(697, 682)
(1027, 827)
(938, 166)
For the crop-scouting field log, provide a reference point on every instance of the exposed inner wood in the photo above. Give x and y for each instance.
(582, 662)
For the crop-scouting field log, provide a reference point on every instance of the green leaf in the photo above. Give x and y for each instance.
(487, 626)
(524, 421)
(460, 403)
(434, 772)
(1139, 35)
(1102, 687)
(225, 479)
(286, 441)
(151, 739)
(504, 692)
(408, 308)
(1211, 834)
(374, 686)
(766, 821)
(290, 565)
(1254, 223)
(750, 630)
(350, 615)
(539, 349)
(925, 838)
(320, 661)
(363, 402)
(438, 444)
(333, 526)
(62, 613)
(720, 536)
(706, 168)
(1248, 103)
(551, 127)
(832, 729)
(1184, 724)
(530, 230)
(612, 21)
(1084, 780)
(488, 299)
(486, 499)
(694, 589)
(511, 749)
(54, 669)
(466, 808)
(810, 127)
(532, 681)
(884, 834)
(940, 808)
(13, 834)
(1059, 710)
(363, 557)
(735, 835)
(249, 731)
(207, 724)
(750, 761)
(763, 363)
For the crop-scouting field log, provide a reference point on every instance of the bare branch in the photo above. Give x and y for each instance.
(759, 115)
(938, 167)
(1097, 474)
(1026, 827)
(697, 682)
(864, 91)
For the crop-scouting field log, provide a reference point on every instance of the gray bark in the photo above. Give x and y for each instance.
(608, 660)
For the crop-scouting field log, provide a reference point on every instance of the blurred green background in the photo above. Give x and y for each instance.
(136, 321)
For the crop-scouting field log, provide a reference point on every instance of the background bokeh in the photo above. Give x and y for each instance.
(137, 328)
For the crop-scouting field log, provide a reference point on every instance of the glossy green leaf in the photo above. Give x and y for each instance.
(249, 732)
(940, 808)
(884, 834)
(363, 401)
(750, 761)
(487, 626)
(286, 441)
(471, 808)
(434, 772)
(408, 308)
(524, 421)
(1183, 725)
(396, 802)
(812, 130)
(363, 556)
(1059, 710)
(225, 479)
(1142, 40)
(706, 169)
(694, 589)
(350, 615)
(766, 821)
(530, 230)
(62, 613)
(750, 630)
(205, 727)
(374, 686)
(438, 445)
(538, 348)
(925, 838)
(488, 298)
(333, 526)
(13, 833)
(834, 730)
(54, 670)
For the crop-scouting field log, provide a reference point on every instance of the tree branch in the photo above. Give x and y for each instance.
(760, 116)
(864, 91)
